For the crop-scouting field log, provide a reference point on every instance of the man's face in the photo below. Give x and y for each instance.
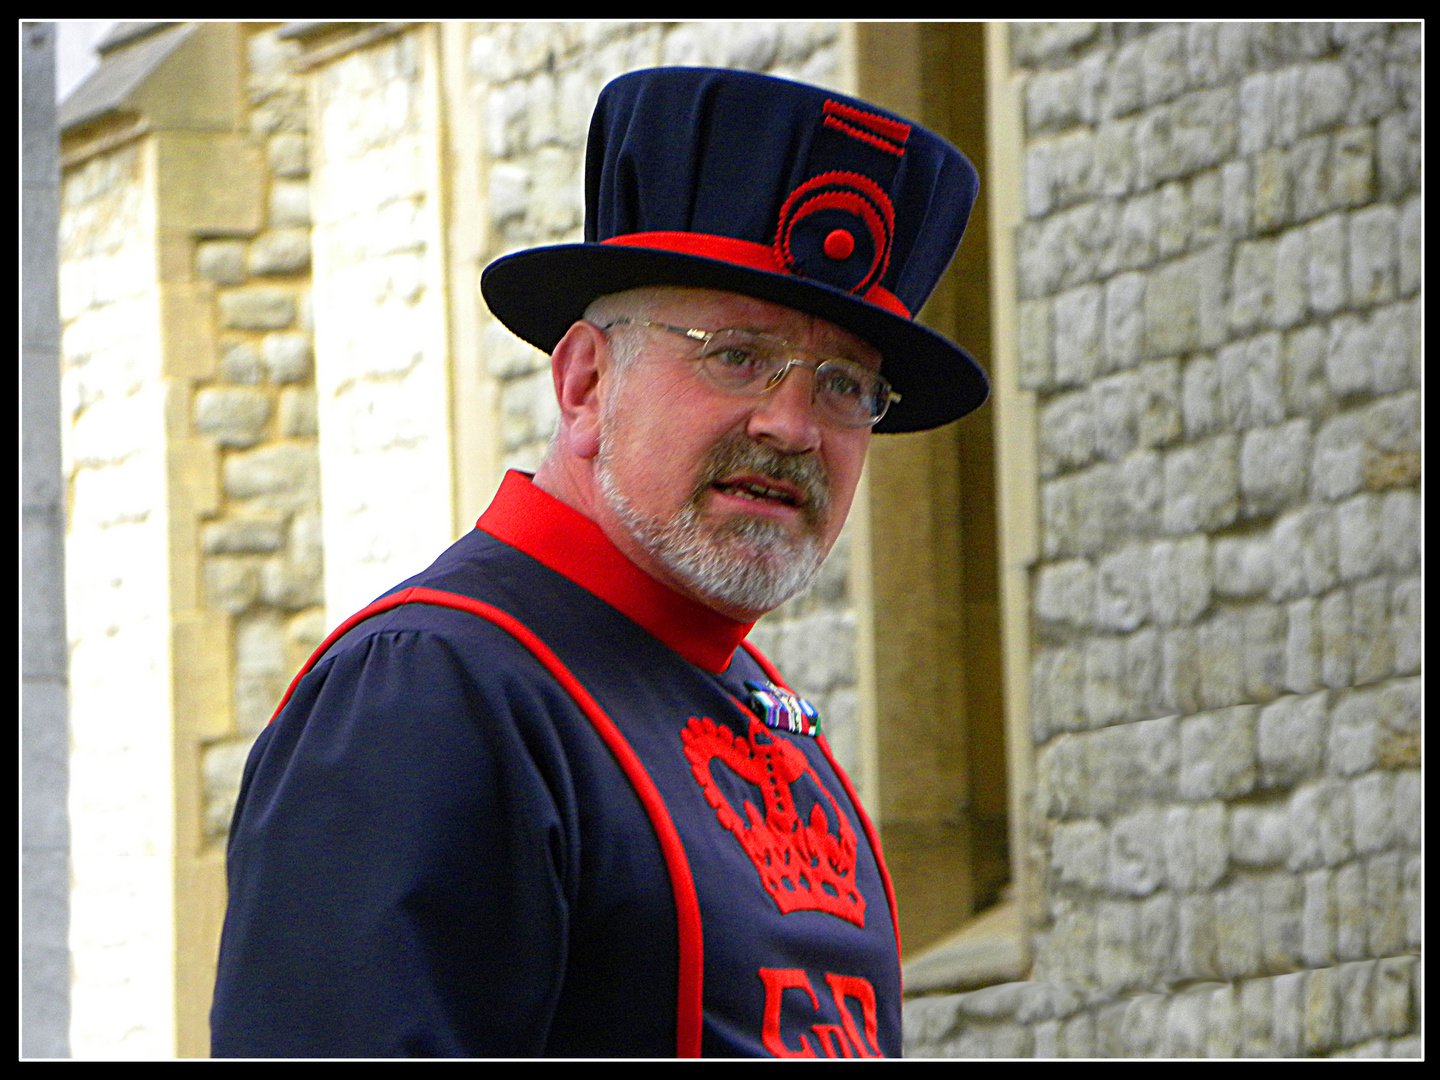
(730, 499)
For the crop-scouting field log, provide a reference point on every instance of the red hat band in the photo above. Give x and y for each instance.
(741, 253)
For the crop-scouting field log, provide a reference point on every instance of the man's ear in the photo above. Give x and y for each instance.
(579, 366)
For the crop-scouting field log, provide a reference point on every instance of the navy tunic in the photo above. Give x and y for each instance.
(526, 805)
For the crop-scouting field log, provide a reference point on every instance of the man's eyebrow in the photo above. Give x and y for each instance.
(857, 351)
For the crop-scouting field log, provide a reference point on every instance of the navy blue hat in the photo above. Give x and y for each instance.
(778, 190)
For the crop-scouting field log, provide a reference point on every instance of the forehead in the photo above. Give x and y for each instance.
(707, 309)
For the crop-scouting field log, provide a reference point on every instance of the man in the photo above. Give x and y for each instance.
(542, 798)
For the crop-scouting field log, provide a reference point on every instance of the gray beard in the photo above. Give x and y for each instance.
(746, 563)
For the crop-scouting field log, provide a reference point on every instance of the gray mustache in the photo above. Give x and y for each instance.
(739, 453)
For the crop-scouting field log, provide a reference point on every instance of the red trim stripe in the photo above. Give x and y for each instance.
(690, 1004)
(773, 674)
(883, 126)
(863, 136)
(739, 253)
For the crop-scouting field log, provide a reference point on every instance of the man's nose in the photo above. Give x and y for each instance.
(785, 414)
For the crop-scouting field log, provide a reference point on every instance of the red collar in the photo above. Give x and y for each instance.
(560, 537)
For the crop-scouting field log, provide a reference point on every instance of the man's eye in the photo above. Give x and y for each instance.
(843, 383)
(737, 358)
(732, 355)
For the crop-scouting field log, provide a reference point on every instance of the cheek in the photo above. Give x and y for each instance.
(849, 459)
(845, 462)
(656, 447)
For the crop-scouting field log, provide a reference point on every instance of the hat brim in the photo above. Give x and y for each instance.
(538, 294)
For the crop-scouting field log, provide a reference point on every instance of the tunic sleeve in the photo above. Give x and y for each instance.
(403, 860)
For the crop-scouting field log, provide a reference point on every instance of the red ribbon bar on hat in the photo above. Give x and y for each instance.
(879, 131)
(739, 253)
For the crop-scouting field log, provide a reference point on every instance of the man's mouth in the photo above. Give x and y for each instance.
(760, 491)
(777, 486)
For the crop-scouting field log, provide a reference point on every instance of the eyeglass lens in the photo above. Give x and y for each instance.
(749, 362)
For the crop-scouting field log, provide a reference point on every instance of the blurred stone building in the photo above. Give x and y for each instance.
(1126, 665)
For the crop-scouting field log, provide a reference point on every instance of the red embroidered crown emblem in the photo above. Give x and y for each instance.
(804, 866)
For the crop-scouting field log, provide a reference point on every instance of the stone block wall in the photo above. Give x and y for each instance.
(380, 316)
(263, 559)
(117, 588)
(192, 546)
(1220, 317)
